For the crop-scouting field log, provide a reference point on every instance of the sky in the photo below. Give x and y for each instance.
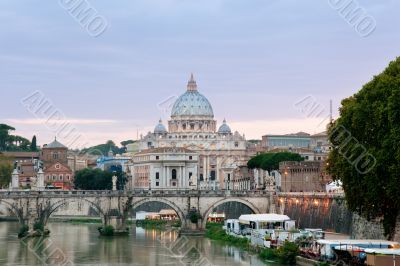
(262, 64)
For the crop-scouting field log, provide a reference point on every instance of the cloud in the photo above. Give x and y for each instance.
(76, 121)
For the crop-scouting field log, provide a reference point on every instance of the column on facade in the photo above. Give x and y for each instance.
(181, 176)
(167, 183)
(217, 171)
(204, 169)
(164, 177)
(185, 177)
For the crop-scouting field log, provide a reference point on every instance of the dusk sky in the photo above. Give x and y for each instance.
(254, 61)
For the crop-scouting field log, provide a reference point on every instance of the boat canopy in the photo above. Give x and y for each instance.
(383, 251)
(356, 242)
(265, 217)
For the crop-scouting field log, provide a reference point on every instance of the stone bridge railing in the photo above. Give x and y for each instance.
(134, 193)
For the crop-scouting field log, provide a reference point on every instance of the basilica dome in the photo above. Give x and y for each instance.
(192, 103)
(160, 128)
(224, 128)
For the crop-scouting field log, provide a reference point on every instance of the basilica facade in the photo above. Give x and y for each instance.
(220, 152)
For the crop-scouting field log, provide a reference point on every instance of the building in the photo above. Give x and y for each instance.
(288, 141)
(113, 162)
(77, 162)
(311, 147)
(27, 165)
(192, 126)
(56, 170)
(167, 167)
(302, 177)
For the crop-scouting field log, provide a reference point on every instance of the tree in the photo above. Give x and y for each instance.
(103, 149)
(126, 142)
(6, 168)
(33, 144)
(366, 148)
(270, 161)
(4, 136)
(93, 179)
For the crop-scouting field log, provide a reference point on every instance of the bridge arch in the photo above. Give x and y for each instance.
(220, 202)
(14, 209)
(175, 207)
(54, 206)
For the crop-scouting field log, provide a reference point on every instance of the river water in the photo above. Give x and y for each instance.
(80, 244)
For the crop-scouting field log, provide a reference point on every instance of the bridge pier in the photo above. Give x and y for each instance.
(117, 222)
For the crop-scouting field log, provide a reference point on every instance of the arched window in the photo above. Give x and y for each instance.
(173, 173)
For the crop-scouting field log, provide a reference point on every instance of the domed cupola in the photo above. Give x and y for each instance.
(160, 128)
(224, 128)
(192, 103)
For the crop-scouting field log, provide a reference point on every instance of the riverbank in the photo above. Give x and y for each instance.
(284, 255)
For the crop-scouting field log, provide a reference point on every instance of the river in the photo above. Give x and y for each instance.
(80, 244)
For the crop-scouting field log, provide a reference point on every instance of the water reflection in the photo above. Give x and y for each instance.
(81, 245)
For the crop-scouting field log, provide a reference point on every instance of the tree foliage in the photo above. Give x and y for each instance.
(126, 142)
(10, 142)
(366, 148)
(97, 179)
(33, 145)
(103, 149)
(270, 161)
(6, 168)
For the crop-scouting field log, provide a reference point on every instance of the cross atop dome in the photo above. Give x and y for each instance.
(192, 86)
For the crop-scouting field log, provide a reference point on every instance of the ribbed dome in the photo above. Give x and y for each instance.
(224, 128)
(192, 103)
(160, 128)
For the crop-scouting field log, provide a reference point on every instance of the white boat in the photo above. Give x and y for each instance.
(268, 228)
(325, 247)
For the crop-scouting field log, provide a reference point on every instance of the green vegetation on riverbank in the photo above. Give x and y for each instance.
(151, 223)
(286, 254)
(157, 223)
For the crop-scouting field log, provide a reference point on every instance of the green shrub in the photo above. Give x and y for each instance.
(38, 227)
(268, 254)
(23, 231)
(194, 217)
(321, 264)
(151, 223)
(107, 230)
(177, 224)
(287, 253)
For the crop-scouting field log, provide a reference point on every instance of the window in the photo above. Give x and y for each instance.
(57, 166)
(157, 157)
(190, 157)
(55, 156)
(60, 177)
(174, 184)
(191, 126)
(201, 177)
(229, 177)
(54, 177)
(190, 174)
(157, 184)
(157, 175)
(236, 144)
(212, 175)
(68, 177)
(173, 173)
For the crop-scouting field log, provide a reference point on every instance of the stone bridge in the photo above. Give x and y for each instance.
(32, 207)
